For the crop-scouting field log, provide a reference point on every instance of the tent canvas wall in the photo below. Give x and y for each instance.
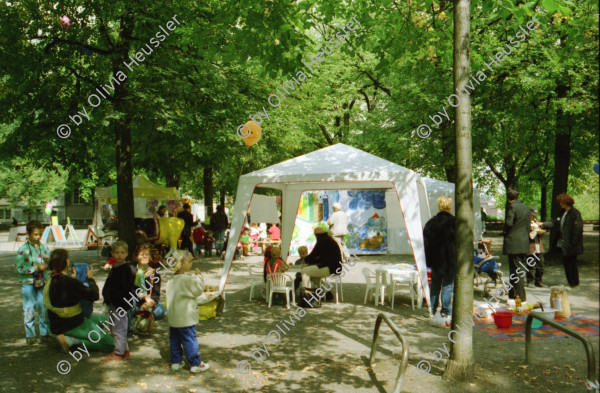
(264, 209)
(437, 188)
(332, 168)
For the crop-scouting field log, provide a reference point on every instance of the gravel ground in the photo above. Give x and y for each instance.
(326, 351)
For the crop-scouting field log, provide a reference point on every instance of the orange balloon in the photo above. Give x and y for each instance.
(254, 133)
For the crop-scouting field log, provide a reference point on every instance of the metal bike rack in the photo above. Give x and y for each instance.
(591, 373)
(396, 331)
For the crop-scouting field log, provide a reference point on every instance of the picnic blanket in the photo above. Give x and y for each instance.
(516, 331)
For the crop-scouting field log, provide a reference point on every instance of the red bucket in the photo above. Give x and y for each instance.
(503, 319)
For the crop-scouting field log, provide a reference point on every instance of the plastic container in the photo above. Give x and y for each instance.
(557, 304)
(536, 323)
(548, 312)
(511, 304)
(503, 319)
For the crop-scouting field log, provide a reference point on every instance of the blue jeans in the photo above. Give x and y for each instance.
(446, 285)
(185, 337)
(33, 299)
(219, 240)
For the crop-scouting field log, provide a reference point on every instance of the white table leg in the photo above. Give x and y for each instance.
(377, 284)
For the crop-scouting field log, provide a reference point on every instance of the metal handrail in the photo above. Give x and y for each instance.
(591, 372)
(404, 362)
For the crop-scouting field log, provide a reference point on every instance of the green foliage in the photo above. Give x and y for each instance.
(26, 183)
(185, 101)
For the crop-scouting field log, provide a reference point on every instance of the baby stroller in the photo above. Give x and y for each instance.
(486, 264)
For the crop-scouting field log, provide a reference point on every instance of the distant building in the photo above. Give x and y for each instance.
(71, 205)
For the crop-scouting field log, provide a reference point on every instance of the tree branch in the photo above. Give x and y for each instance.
(498, 174)
(57, 40)
(88, 80)
(326, 134)
(376, 82)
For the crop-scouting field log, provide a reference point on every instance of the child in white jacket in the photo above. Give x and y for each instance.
(182, 291)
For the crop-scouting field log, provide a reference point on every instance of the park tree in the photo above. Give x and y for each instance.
(460, 363)
(45, 59)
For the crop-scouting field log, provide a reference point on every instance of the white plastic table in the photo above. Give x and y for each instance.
(381, 281)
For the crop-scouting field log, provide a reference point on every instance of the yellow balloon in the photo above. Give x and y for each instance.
(254, 133)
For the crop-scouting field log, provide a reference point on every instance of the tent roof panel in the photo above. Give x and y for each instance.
(333, 163)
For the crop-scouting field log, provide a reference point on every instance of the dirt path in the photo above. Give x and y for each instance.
(325, 351)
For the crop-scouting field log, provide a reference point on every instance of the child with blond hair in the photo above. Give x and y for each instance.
(182, 293)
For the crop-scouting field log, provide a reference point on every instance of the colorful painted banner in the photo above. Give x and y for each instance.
(367, 226)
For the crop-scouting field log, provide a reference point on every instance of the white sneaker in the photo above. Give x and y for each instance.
(437, 321)
(202, 367)
(177, 366)
(447, 320)
(434, 319)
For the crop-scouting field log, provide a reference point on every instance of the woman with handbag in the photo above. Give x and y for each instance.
(570, 240)
(147, 285)
(32, 274)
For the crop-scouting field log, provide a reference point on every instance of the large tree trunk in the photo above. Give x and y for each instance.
(562, 160)
(208, 191)
(460, 363)
(222, 198)
(544, 202)
(173, 180)
(123, 145)
(125, 184)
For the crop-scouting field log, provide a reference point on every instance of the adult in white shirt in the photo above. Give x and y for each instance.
(262, 235)
(338, 228)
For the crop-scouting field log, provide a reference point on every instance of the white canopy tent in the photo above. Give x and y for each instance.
(333, 168)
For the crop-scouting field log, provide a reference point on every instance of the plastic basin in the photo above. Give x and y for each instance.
(503, 319)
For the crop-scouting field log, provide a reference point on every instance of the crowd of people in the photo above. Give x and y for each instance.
(197, 237)
(522, 242)
(62, 295)
(59, 292)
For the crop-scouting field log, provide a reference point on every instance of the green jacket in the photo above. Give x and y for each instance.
(28, 257)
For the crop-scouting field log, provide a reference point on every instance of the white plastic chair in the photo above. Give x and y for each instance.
(370, 279)
(255, 277)
(339, 288)
(278, 284)
(409, 278)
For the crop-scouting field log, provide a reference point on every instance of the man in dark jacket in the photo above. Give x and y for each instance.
(188, 218)
(324, 260)
(440, 255)
(218, 224)
(517, 227)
